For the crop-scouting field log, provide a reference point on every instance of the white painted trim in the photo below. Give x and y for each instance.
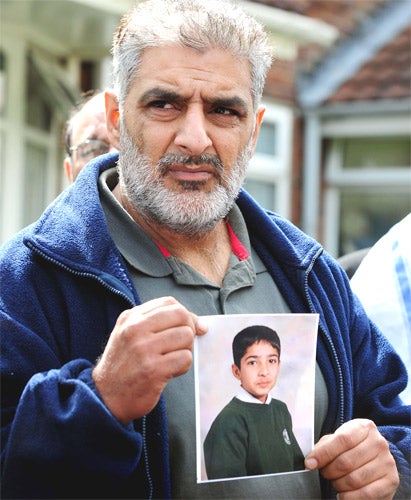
(302, 28)
(366, 126)
(311, 175)
(331, 220)
(12, 125)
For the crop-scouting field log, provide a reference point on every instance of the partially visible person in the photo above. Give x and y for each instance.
(383, 284)
(253, 434)
(351, 260)
(86, 135)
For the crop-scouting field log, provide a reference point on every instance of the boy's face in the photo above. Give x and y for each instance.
(259, 369)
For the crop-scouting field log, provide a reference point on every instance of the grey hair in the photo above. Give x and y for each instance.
(198, 24)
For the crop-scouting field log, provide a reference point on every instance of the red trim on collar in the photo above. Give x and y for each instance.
(237, 247)
(163, 250)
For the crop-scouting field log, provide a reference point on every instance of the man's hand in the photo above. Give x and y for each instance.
(149, 345)
(357, 459)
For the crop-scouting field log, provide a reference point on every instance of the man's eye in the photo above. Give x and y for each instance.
(160, 105)
(225, 111)
(89, 150)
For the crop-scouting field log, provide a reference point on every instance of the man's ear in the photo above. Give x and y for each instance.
(67, 169)
(258, 120)
(236, 371)
(112, 119)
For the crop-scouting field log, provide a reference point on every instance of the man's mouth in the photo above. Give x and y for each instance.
(197, 173)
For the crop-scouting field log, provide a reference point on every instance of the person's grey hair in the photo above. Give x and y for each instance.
(198, 24)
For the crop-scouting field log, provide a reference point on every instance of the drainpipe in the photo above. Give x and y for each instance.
(311, 174)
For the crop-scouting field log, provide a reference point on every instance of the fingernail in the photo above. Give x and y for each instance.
(202, 324)
(311, 463)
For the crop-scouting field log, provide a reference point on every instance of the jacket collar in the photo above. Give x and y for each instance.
(76, 217)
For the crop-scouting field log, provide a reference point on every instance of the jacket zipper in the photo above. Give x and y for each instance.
(82, 274)
(127, 299)
(340, 414)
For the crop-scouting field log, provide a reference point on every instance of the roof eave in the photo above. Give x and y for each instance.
(346, 59)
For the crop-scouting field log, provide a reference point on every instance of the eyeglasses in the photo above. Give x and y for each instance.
(91, 148)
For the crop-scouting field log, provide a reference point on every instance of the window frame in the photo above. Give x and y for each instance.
(337, 178)
(16, 135)
(276, 169)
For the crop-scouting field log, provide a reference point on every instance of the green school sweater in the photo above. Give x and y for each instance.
(249, 439)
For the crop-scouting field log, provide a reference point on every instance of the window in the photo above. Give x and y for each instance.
(368, 189)
(38, 110)
(3, 93)
(35, 182)
(376, 152)
(33, 107)
(268, 176)
(367, 214)
(3, 100)
(267, 140)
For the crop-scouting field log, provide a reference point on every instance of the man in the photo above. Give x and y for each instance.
(120, 268)
(383, 284)
(85, 135)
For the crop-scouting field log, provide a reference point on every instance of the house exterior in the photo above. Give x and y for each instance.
(49, 52)
(357, 126)
(326, 109)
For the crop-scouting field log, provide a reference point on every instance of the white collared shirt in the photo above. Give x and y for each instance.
(245, 396)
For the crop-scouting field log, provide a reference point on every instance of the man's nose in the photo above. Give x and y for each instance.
(192, 136)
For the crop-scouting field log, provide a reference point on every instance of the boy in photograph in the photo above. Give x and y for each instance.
(253, 434)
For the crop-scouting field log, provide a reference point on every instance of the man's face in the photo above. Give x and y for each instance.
(259, 369)
(186, 136)
(90, 124)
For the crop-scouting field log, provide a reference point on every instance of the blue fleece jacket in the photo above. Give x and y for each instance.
(64, 283)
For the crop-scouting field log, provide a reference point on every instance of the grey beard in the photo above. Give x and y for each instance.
(190, 211)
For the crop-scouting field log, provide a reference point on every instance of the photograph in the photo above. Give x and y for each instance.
(254, 386)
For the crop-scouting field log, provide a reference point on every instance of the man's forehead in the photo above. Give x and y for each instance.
(92, 128)
(91, 116)
(183, 67)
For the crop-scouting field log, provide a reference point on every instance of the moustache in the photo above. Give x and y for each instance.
(204, 159)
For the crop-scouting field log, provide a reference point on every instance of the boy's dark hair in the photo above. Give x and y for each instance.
(249, 336)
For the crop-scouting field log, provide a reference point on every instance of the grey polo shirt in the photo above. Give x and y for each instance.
(247, 288)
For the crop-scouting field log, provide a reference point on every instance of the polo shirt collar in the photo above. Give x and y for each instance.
(150, 257)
